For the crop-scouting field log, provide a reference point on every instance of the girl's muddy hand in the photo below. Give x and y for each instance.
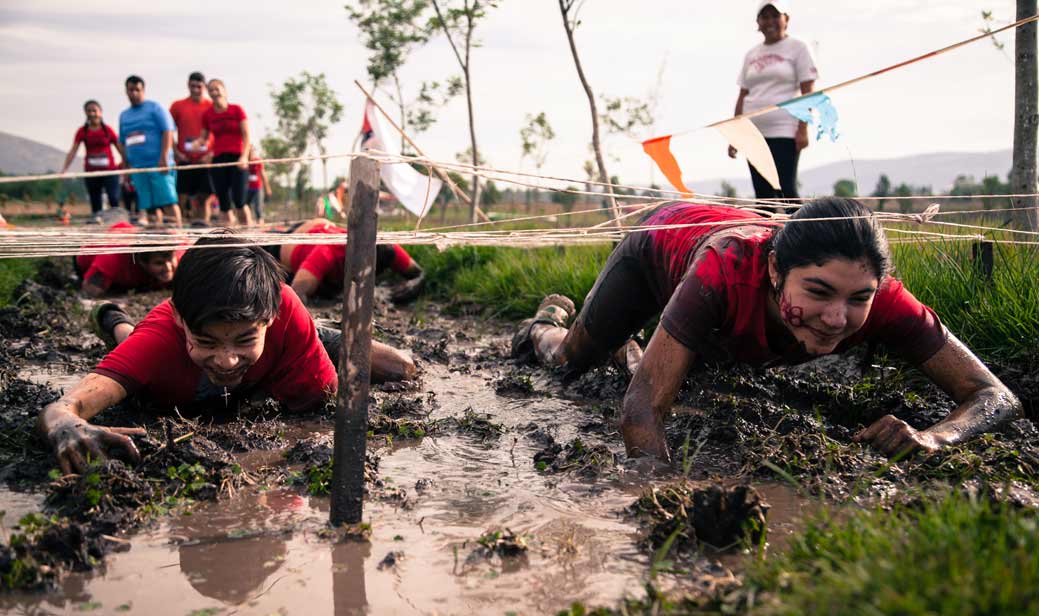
(892, 436)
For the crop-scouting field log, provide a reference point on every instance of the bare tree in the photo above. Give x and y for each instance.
(569, 10)
(459, 23)
(1026, 118)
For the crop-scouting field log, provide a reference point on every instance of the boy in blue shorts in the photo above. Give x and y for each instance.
(146, 132)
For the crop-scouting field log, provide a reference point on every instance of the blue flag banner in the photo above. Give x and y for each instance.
(801, 108)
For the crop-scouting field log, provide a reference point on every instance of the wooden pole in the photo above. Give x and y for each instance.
(355, 354)
(447, 180)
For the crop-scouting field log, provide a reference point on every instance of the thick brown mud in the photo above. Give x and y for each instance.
(492, 487)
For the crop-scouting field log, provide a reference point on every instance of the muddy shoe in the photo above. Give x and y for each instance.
(555, 310)
(103, 319)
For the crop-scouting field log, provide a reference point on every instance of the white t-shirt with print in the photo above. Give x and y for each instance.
(772, 74)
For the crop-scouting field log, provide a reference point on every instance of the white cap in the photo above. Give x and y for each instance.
(783, 6)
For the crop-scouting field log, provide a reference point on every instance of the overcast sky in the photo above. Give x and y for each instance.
(56, 54)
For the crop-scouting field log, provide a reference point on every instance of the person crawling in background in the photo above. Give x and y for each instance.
(118, 272)
(232, 329)
(318, 269)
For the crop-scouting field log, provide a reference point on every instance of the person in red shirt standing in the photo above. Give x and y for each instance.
(317, 269)
(232, 329)
(193, 185)
(125, 271)
(258, 186)
(729, 284)
(99, 139)
(228, 126)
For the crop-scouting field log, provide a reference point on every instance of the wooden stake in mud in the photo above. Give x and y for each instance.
(355, 352)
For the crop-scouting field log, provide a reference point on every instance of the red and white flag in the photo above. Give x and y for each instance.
(414, 190)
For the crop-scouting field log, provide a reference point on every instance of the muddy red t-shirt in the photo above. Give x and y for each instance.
(153, 361)
(226, 128)
(327, 261)
(118, 271)
(99, 147)
(719, 307)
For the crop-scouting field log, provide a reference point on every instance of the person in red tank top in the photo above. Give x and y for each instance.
(99, 139)
(229, 128)
(731, 285)
(193, 185)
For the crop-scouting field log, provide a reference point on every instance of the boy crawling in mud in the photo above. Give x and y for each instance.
(232, 328)
(317, 269)
(117, 272)
(729, 284)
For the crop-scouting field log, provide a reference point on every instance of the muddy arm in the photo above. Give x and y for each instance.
(652, 390)
(305, 284)
(64, 425)
(410, 288)
(983, 402)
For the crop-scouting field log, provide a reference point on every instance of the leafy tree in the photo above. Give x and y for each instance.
(305, 107)
(276, 147)
(845, 188)
(458, 24)
(882, 191)
(391, 30)
(535, 135)
(728, 190)
(904, 205)
(569, 10)
(565, 199)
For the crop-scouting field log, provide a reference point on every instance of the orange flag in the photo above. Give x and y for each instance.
(659, 149)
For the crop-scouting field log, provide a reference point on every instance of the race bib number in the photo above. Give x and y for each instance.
(253, 177)
(189, 146)
(98, 161)
(135, 139)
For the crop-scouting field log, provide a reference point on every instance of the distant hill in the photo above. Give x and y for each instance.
(937, 170)
(21, 156)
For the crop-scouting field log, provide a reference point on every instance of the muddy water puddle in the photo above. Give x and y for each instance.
(262, 551)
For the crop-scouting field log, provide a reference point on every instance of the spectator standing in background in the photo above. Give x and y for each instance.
(98, 138)
(146, 132)
(230, 131)
(777, 70)
(193, 185)
(258, 186)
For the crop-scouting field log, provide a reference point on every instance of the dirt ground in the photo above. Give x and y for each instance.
(492, 486)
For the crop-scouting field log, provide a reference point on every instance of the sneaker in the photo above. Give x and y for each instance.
(554, 310)
(103, 319)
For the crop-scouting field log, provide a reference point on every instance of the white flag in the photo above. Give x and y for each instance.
(414, 190)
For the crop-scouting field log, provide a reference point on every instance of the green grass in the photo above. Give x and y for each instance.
(951, 556)
(12, 273)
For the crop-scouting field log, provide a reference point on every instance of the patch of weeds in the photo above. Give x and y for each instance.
(576, 457)
(953, 555)
(317, 477)
(473, 423)
(515, 385)
(32, 555)
(503, 542)
(384, 425)
(683, 516)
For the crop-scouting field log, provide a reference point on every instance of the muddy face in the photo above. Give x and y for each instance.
(824, 304)
(226, 350)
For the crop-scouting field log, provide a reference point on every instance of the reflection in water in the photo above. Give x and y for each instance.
(348, 589)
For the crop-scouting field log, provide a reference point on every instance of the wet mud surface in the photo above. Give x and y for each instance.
(491, 486)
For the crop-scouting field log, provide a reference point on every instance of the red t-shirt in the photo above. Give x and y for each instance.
(120, 271)
(254, 176)
(187, 115)
(226, 128)
(153, 362)
(719, 308)
(327, 261)
(99, 147)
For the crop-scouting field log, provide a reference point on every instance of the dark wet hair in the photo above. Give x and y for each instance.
(197, 76)
(853, 234)
(134, 79)
(232, 284)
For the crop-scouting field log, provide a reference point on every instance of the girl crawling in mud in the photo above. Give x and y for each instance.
(231, 328)
(741, 287)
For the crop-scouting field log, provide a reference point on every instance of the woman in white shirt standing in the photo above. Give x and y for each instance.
(777, 70)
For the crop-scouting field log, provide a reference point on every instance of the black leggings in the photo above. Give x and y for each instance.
(229, 182)
(785, 153)
(106, 183)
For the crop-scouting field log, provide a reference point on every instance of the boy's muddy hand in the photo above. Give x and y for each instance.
(77, 442)
(407, 290)
(892, 436)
